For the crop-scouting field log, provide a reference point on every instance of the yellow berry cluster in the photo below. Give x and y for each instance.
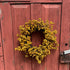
(49, 41)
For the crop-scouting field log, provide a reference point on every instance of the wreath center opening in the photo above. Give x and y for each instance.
(37, 38)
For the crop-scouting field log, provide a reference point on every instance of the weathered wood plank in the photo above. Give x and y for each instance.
(7, 37)
(1, 63)
(65, 31)
(35, 11)
(36, 39)
(52, 13)
(20, 15)
(1, 47)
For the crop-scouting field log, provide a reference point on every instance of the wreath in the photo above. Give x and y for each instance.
(49, 41)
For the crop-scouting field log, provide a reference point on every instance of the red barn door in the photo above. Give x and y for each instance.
(14, 14)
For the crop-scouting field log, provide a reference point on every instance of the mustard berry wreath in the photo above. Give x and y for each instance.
(49, 41)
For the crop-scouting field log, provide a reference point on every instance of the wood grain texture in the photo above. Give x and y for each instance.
(52, 13)
(35, 11)
(1, 63)
(7, 37)
(1, 47)
(20, 15)
(65, 31)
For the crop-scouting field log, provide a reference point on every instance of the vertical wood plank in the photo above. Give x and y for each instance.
(7, 37)
(65, 31)
(52, 12)
(1, 46)
(20, 15)
(36, 13)
(1, 63)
